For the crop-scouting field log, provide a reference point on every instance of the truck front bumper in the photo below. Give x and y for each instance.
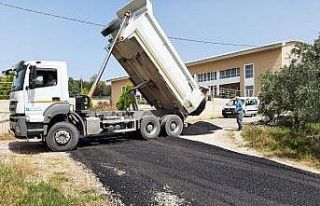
(18, 126)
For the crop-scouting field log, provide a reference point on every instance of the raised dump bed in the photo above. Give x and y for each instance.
(151, 61)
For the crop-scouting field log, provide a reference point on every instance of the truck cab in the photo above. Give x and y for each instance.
(38, 87)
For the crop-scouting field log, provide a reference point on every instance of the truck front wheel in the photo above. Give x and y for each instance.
(62, 137)
(150, 127)
(173, 126)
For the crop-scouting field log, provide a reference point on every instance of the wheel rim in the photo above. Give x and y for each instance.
(62, 137)
(150, 128)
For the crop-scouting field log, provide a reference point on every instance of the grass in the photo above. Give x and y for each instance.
(284, 142)
(21, 184)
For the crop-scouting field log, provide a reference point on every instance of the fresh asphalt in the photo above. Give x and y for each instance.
(198, 174)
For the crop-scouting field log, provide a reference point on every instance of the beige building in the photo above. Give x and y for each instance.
(227, 75)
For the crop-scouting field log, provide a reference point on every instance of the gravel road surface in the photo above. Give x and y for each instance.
(176, 171)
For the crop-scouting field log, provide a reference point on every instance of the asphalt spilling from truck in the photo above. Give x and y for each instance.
(174, 171)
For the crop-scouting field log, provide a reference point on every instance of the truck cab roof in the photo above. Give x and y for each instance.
(60, 64)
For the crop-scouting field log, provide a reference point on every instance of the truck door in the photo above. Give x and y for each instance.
(44, 90)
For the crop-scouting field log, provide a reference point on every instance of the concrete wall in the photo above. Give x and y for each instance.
(4, 116)
(213, 110)
(4, 106)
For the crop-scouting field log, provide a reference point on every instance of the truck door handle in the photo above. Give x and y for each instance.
(55, 99)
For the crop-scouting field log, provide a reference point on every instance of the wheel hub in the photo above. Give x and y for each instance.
(173, 126)
(150, 128)
(62, 137)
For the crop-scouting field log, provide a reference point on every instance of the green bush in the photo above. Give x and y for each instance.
(5, 86)
(124, 102)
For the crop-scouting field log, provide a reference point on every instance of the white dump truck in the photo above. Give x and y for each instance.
(39, 101)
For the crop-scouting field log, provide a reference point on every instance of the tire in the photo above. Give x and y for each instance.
(62, 137)
(173, 126)
(150, 127)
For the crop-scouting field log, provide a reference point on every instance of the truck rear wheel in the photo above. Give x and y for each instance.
(150, 127)
(62, 137)
(173, 125)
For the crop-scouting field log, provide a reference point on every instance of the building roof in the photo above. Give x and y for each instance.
(118, 79)
(241, 52)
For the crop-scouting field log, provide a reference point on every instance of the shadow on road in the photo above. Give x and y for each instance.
(26, 147)
(87, 142)
(37, 147)
(200, 128)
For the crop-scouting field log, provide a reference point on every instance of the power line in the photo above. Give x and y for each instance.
(210, 42)
(102, 25)
(51, 15)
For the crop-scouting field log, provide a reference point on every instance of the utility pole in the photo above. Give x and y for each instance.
(81, 86)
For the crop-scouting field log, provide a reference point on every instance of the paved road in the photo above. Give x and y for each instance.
(186, 172)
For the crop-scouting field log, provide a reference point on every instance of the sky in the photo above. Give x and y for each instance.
(27, 36)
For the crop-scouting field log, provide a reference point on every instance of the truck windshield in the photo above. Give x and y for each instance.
(19, 77)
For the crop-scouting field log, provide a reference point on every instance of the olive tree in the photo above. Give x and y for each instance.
(294, 89)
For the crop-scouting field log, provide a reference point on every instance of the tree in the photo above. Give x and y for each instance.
(5, 86)
(82, 87)
(74, 87)
(125, 101)
(102, 89)
(295, 89)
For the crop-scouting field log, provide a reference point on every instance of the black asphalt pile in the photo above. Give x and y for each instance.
(176, 171)
(200, 128)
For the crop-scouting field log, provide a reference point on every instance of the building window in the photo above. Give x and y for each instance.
(213, 75)
(249, 70)
(213, 90)
(249, 91)
(229, 73)
(208, 76)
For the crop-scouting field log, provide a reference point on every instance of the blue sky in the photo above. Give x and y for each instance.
(34, 37)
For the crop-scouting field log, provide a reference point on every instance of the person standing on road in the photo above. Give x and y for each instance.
(239, 112)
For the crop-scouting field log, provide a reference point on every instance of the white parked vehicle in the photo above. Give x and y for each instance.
(250, 105)
(39, 101)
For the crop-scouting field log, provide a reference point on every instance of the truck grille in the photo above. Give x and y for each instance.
(13, 106)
